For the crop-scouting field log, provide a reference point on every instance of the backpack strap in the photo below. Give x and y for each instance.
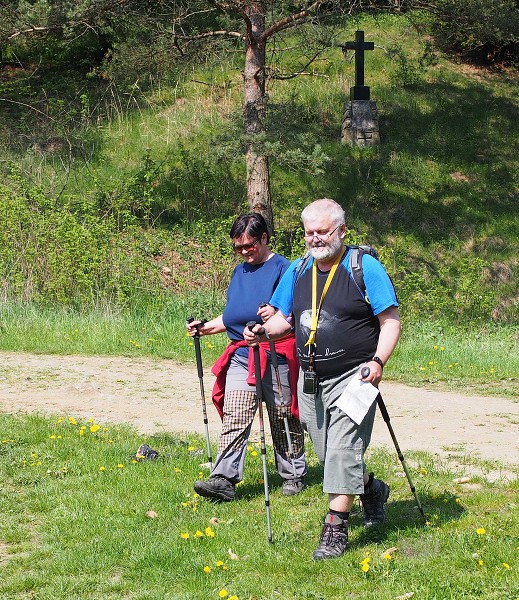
(357, 252)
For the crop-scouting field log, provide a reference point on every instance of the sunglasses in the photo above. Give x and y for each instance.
(246, 247)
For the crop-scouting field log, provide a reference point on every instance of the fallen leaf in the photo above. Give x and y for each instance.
(151, 514)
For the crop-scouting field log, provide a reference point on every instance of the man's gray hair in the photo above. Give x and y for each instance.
(324, 205)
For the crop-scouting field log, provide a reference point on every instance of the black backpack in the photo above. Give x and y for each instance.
(355, 266)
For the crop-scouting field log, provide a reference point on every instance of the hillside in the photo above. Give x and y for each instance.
(115, 191)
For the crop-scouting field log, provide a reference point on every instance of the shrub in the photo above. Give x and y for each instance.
(481, 31)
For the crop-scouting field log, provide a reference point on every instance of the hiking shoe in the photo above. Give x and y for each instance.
(334, 538)
(291, 487)
(216, 488)
(373, 499)
(145, 452)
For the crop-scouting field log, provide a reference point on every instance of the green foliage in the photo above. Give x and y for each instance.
(484, 31)
(51, 254)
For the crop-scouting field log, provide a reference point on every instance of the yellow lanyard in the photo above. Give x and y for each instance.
(317, 309)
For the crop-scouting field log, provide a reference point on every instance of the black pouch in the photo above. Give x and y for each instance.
(309, 382)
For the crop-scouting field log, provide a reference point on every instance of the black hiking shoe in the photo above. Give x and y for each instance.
(373, 499)
(334, 538)
(291, 487)
(216, 488)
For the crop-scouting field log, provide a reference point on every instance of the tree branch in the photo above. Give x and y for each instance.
(292, 20)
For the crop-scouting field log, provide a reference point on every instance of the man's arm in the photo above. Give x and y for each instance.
(387, 340)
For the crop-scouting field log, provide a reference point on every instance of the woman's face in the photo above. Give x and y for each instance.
(252, 250)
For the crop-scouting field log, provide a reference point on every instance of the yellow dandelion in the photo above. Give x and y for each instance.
(102, 468)
(422, 368)
(254, 453)
(81, 432)
(388, 556)
(480, 531)
(223, 593)
(90, 420)
(480, 563)
(365, 568)
(120, 466)
(184, 536)
(190, 448)
(60, 420)
(199, 534)
(219, 563)
(177, 470)
(423, 471)
(233, 597)
(209, 532)
(52, 437)
(72, 421)
(94, 428)
(435, 347)
(506, 565)
(458, 500)
(134, 462)
(207, 569)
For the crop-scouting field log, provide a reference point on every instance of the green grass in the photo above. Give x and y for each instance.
(480, 359)
(74, 525)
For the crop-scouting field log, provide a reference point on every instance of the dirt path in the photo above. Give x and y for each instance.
(160, 395)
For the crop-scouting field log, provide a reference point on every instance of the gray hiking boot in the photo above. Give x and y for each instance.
(291, 487)
(216, 488)
(334, 538)
(373, 499)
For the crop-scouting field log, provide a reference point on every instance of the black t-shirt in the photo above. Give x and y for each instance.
(347, 331)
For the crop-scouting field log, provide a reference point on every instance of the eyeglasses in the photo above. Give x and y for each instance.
(246, 247)
(322, 237)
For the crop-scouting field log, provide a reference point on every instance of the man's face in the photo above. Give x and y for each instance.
(323, 238)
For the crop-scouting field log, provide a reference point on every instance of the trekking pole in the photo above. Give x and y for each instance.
(274, 358)
(198, 354)
(275, 364)
(259, 394)
(385, 415)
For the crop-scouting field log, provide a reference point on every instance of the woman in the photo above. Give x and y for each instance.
(251, 286)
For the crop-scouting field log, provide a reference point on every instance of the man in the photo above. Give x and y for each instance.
(337, 331)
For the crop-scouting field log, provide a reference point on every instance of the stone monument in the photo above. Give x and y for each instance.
(360, 119)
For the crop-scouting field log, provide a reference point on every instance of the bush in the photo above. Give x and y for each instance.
(51, 254)
(481, 31)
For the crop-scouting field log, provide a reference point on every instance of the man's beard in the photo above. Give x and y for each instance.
(327, 252)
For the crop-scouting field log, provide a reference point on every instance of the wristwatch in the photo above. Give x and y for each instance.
(378, 360)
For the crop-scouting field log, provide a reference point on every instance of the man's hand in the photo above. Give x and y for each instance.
(265, 311)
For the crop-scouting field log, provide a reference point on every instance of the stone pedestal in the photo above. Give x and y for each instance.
(360, 123)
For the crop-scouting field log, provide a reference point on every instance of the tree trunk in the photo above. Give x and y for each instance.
(258, 179)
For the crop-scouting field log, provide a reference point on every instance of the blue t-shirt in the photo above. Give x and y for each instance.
(348, 328)
(250, 286)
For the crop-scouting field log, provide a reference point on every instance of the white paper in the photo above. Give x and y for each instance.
(357, 398)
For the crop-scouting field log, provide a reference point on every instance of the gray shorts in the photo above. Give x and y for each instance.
(339, 443)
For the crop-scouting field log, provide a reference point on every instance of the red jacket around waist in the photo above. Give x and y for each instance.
(285, 347)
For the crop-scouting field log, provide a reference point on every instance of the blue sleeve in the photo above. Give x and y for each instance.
(379, 288)
(283, 295)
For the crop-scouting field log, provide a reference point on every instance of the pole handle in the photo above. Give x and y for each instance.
(198, 352)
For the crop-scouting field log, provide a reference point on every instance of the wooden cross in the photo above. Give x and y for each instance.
(359, 91)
